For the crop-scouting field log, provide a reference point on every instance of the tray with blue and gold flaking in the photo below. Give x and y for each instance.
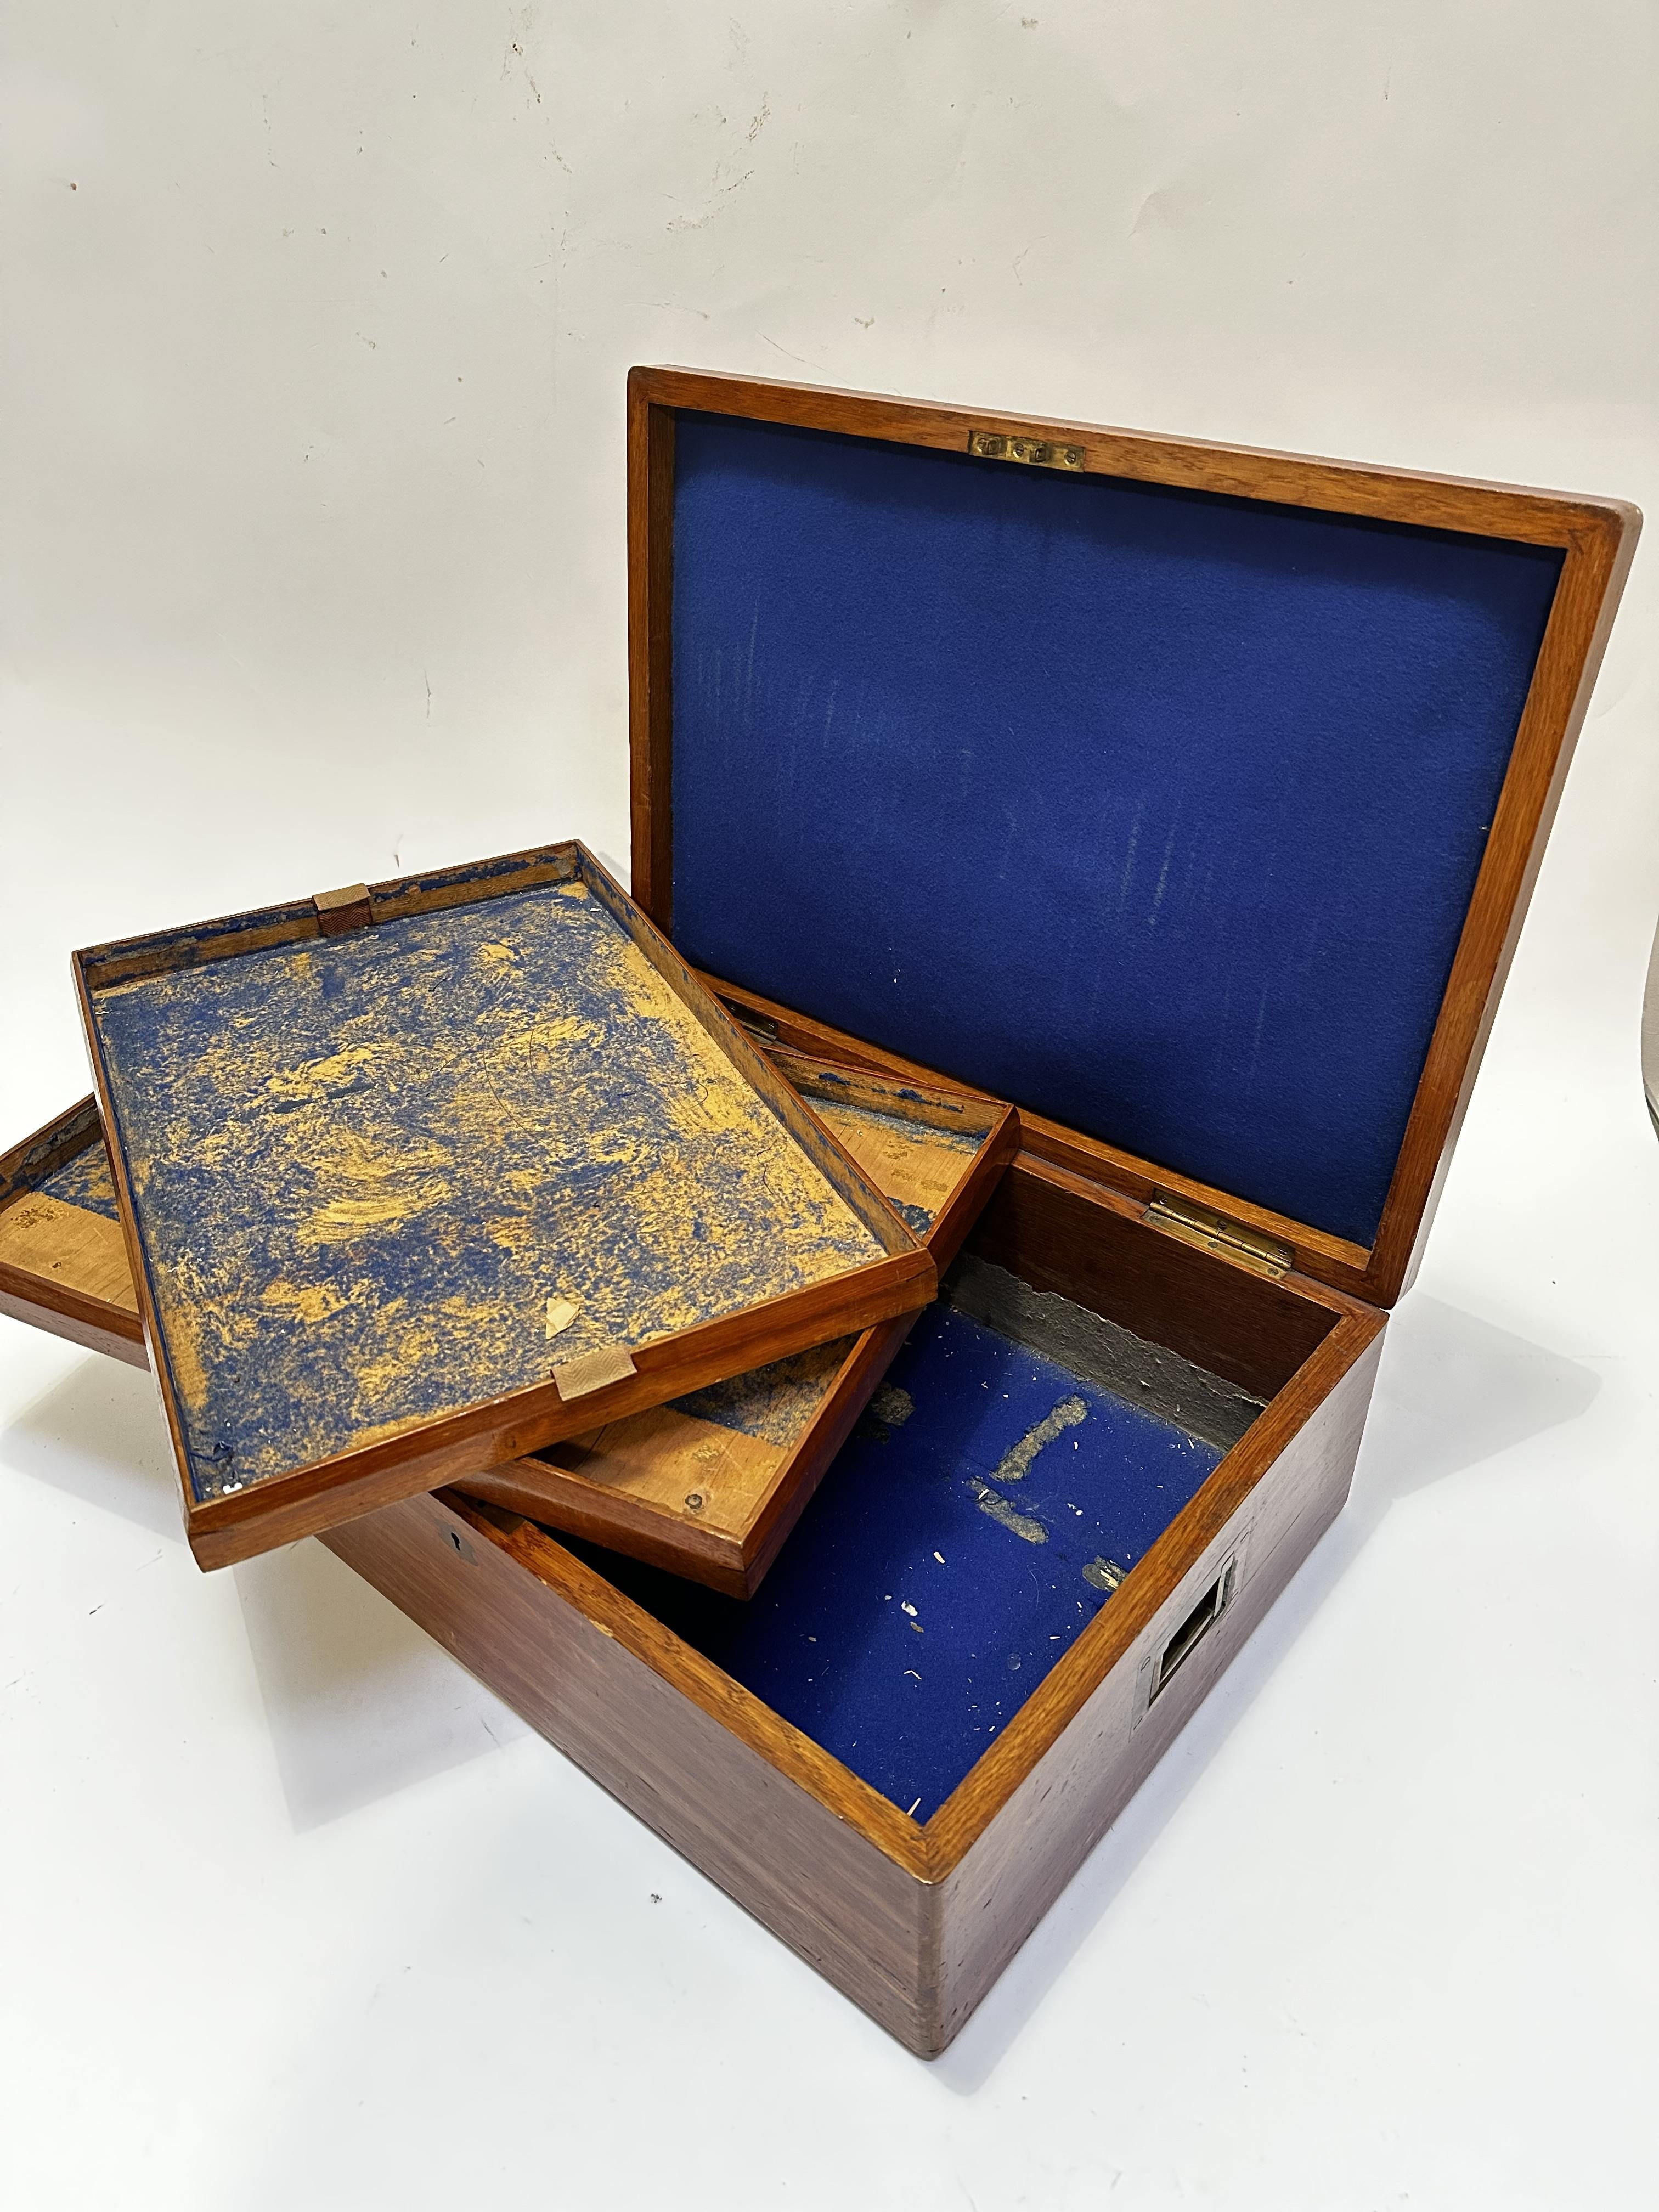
(423, 1176)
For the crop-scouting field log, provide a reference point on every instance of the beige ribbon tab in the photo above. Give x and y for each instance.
(351, 908)
(592, 1370)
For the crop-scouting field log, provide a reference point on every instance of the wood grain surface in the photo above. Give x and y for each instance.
(42, 1236)
(813, 1853)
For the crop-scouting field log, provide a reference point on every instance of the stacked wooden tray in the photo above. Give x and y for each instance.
(422, 1179)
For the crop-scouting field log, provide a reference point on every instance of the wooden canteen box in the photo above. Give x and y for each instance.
(1189, 798)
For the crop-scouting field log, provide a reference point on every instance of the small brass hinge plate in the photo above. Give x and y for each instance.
(1214, 1232)
(1035, 453)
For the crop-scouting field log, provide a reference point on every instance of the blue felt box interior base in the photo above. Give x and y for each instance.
(965, 1537)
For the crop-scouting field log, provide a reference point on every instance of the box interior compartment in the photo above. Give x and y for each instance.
(1079, 1379)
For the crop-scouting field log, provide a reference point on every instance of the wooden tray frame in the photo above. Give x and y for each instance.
(309, 1499)
(736, 1562)
(60, 1309)
(1597, 537)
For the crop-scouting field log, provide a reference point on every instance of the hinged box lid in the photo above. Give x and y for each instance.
(1187, 796)
(421, 1177)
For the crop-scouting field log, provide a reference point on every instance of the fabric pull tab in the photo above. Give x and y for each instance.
(339, 911)
(592, 1370)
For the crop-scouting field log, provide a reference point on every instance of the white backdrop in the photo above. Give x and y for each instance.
(317, 318)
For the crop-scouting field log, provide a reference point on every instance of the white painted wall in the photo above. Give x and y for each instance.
(317, 318)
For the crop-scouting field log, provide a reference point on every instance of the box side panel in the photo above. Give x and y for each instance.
(1008, 1878)
(846, 1907)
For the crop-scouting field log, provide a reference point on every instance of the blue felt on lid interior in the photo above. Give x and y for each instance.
(1154, 811)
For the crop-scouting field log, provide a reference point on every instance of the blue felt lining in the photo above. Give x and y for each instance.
(1157, 813)
(904, 1623)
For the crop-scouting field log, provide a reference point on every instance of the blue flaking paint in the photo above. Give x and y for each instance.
(85, 1181)
(362, 1166)
(910, 1700)
(1157, 813)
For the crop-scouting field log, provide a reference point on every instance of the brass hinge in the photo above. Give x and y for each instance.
(1035, 453)
(1214, 1232)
